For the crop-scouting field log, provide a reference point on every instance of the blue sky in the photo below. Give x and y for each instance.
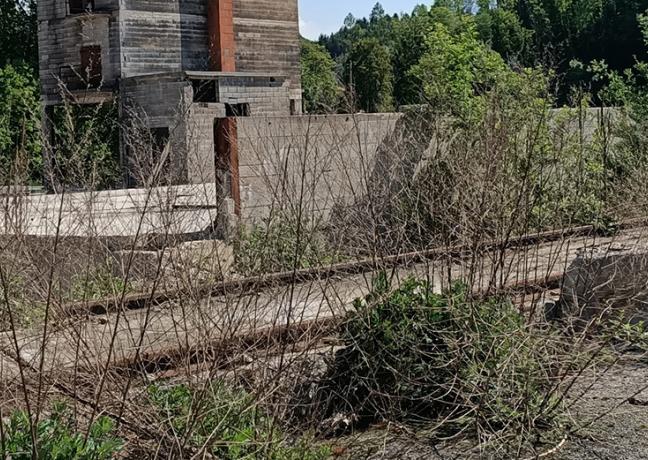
(326, 16)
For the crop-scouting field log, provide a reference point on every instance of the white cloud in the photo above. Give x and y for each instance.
(309, 29)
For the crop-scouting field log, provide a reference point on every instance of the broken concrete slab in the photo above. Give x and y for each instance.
(204, 260)
(606, 283)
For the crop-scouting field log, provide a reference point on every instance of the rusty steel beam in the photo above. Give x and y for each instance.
(222, 44)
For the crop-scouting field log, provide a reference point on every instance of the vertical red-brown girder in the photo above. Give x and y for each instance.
(228, 157)
(222, 46)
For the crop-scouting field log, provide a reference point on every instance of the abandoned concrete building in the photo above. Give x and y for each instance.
(218, 83)
(188, 66)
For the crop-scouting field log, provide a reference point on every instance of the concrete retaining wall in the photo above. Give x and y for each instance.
(316, 163)
(308, 162)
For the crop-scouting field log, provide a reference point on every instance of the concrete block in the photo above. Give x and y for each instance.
(606, 283)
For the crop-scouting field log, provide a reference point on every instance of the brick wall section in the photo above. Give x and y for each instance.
(267, 96)
(220, 26)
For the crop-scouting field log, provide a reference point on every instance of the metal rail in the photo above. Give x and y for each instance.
(144, 300)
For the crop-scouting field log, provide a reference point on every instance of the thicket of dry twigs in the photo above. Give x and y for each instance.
(416, 303)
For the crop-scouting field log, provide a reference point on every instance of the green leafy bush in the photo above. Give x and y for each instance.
(410, 354)
(227, 423)
(20, 130)
(57, 438)
(626, 335)
(280, 245)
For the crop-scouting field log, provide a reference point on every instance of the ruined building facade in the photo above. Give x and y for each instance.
(187, 68)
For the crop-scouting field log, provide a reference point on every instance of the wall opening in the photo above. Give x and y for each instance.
(81, 6)
(160, 167)
(91, 65)
(204, 91)
(159, 140)
(293, 107)
(237, 110)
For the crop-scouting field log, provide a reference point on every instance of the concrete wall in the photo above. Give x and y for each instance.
(150, 36)
(316, 162)
(61, 37)
(165, 36)
(267, 39)
(266, 95)
(165, 101)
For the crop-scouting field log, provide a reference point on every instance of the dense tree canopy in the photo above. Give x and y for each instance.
(368, 75)
(18, 32)
(564, 36)
(321, 88)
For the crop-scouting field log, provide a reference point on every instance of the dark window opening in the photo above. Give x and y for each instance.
(81, 6)
(161, 156)
(159, 139)
(204, 91)
(237, 110)
(293, 107)
(91, 65)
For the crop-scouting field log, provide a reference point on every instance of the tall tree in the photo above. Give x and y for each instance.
(368, 74)
(321, 89)
(18, 32)
(456, 69)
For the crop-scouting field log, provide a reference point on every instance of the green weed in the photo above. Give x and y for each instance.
(227, 423)
(416, 356)
(57, 438)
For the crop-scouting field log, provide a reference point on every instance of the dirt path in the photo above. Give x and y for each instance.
(613, 413)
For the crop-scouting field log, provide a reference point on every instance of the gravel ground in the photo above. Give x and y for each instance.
(609, 406)
(614, 413)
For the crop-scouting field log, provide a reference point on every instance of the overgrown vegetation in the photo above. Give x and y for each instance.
(85, 146)
(97, 284)
(20, 131)
(416, 356)
(322, 91)
(548, 34)
(219, 420)
(24, 311)
(281, 245)
(57, 437)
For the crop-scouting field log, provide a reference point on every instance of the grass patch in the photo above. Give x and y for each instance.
(226, 423)
(26, 311)
(282, 245)
(97, 285)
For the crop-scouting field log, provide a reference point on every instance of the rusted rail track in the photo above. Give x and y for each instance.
(145, 299)
(225, 352)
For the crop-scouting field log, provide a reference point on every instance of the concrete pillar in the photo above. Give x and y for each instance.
(222, 46)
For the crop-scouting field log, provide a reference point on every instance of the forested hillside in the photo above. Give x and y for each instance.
(580, 43)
